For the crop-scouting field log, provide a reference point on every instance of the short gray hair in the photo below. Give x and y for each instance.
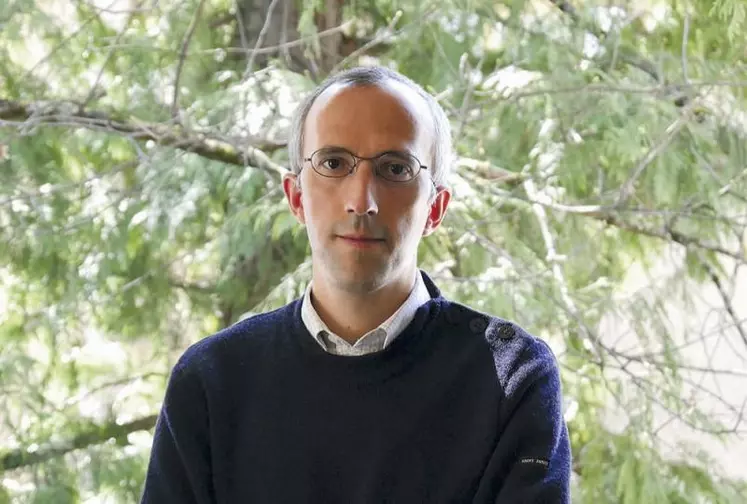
(441, 150)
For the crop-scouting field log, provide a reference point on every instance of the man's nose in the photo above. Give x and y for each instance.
(360, 190)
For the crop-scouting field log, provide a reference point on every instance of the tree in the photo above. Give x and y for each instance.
(600, 201)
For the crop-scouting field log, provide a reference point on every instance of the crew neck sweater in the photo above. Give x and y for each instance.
(461, 407)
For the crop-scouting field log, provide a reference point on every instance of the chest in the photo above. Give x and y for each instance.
(417, 436)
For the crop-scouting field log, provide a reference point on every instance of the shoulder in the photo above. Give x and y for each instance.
(241, 340)
(518, 355)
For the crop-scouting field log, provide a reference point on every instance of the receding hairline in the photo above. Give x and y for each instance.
(415, 108)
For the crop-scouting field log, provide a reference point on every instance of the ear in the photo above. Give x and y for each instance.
(437, 210)
(292, 190)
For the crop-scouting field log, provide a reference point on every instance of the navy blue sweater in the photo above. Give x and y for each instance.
(461, 407)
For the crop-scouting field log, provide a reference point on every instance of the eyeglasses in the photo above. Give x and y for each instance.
(335, 162)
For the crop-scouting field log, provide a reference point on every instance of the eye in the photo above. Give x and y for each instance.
(397, 168)
(332, 163)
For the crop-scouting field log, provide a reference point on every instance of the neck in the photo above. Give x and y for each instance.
(350, 315)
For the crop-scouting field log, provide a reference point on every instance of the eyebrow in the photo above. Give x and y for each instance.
(388, 151)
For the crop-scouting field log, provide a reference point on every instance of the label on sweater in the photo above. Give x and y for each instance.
(529, 460)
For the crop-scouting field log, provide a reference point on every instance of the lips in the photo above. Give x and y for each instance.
(361, 238)
(361, 241)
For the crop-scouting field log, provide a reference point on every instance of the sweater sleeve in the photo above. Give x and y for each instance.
(536, 434)
(179, 470)
(531, 463)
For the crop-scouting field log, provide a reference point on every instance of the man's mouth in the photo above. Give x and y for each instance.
(361, 240)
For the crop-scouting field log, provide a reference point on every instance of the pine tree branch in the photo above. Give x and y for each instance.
(628, 188)
(26, 116)
(63, 43)
(94, 91)
(90, 436)
(53, 189)
(606, 215)
(673, 236)
(629, 57)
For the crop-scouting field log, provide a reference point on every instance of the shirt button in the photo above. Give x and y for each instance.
(506, 331)
(478, 325)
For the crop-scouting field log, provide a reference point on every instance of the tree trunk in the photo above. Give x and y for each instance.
(282, 28)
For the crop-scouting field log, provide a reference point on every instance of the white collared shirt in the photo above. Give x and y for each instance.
(374, 340)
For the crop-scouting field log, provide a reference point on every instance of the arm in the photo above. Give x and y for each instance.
(537, 436)
(531, 463)
(179, 470)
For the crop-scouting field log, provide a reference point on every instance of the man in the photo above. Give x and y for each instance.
(372, 387)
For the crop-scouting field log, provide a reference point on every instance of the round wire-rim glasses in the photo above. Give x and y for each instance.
(394, 166)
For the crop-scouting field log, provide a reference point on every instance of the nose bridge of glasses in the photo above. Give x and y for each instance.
(372, 161)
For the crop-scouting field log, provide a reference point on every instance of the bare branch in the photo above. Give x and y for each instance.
(260, 37)
(552, 255)
(554, 261)
(466, 72)
(649, 358)
(685, 36)
(285, 20)
(512, 95)
(240, 23)
(136, 10)
(725, 298)
(655, 397)
(183, 56)
(489, 171)
(566, 7)
(247, 51)
(27, 115)
(89, 436)
(72, 401)
(381, 39)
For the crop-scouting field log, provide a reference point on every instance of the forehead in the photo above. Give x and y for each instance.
(369, 118)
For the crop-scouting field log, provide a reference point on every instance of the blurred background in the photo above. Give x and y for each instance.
(600, 201)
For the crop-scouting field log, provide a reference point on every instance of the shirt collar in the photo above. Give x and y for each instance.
(391, 327)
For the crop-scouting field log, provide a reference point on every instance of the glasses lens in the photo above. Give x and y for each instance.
(332, 162)
(398, 167)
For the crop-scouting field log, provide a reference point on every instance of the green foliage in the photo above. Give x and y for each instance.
(733, 12)
(599, 196)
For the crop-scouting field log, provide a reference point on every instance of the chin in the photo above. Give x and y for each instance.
(359, 280)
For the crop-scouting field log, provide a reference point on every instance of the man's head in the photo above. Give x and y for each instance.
(365, 227)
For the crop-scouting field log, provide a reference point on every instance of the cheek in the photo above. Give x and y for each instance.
(409, 227)
(317, 214)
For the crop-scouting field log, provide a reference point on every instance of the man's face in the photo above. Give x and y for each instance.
(364, 230)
